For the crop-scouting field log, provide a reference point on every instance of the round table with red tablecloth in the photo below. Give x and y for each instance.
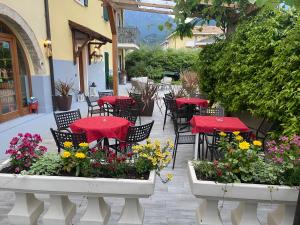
(102, 127)
(191, 101)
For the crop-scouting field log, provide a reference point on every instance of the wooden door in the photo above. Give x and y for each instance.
(81, 72)
(10, 87)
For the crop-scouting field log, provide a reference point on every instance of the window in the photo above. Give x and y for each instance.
(83, 2)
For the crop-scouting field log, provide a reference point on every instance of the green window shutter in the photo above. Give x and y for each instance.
(106, 61)
(105, 13)
(86, 2)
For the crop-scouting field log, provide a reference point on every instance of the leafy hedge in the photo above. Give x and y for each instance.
(257, 68)
(152, 62)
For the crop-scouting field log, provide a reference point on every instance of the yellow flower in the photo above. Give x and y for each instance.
(222, 134)
(169, 176)
(236, 133)
(238, 138)
(148, 140)
(80, 155)
(154, 162)
(257, 143)
(66, 154)
(157, 143)
(244, 145)
(158, 152)
(83, 144)
(68, 144)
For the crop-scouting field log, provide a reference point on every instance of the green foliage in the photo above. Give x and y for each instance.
(152, 62)
(257, 68)
(49, 164)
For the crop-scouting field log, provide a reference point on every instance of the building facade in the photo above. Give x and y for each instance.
(43, 41)
(202, 36)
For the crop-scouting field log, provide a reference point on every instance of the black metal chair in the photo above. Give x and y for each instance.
(261, 133)
(135, 134)
(209, 111)
(61, 137)
(129, 114)
(168, 105)
(139, 104)
(64, 119)
(94, 108)
(169, 95)
(182, 138)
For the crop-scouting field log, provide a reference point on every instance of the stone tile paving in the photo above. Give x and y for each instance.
(171, 204)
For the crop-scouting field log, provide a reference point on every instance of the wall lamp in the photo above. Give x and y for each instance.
(48, 47)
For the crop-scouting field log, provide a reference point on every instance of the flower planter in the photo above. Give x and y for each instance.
(27, 208)
(63, 103)
(148, 109)
(248, 195)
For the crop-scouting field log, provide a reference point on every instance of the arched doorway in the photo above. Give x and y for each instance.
(15, 85)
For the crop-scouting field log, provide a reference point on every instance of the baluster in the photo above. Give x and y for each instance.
(97, 212)
(60, 212)
(245, 214)
(132, 213)
(26, 210)
(282, 215)
(208, 213)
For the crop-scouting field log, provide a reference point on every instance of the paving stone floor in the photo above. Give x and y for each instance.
(171, 204)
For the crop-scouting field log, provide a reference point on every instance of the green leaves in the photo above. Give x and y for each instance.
(257, 69)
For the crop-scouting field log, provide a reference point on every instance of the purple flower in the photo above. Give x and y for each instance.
(284, 138)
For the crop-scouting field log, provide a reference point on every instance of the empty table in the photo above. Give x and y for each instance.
(191, 101)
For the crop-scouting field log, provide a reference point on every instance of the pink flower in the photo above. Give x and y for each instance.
(17, 170)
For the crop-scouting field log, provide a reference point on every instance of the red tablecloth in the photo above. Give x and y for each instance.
(191, 101)
(207, 124)
(112, 99)
(101, 126)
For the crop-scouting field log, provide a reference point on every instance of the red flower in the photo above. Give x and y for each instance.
(129, 154)
(219, 173)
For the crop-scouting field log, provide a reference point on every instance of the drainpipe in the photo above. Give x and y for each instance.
(50, 58)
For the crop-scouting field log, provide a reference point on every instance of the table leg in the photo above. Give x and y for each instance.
(196, 146)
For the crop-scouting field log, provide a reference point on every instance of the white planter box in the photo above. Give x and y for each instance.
(27, 208)
(249, 195)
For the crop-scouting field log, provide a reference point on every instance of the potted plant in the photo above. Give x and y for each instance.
(64, 99)
(148, 97)
(93, 173)
(248, 175)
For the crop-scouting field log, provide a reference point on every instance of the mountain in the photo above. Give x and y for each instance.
(148, 24)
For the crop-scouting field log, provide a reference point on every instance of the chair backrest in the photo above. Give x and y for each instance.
(169, 96)
(123, 104)
(64, 119)
(218, 111)
(170, 104)
(139, 133)
(88, 101)
(264, 127)
(61, 137)
(130, 114)
(105, 93)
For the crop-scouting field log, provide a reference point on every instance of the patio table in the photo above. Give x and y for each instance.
(112, 100)
(102, 127)
(207, 124)
(191, 101)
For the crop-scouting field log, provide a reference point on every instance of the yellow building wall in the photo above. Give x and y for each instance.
(176, 42)
(35, 18)
(91, 16)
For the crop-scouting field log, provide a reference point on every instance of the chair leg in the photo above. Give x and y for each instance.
(175, 144)
(174, 159)
(165, 119)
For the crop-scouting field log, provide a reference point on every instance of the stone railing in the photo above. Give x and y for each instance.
(28, 209)
(128, 35)
(248, 196)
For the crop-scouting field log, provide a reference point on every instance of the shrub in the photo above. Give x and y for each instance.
(257, 68)
(152, 62)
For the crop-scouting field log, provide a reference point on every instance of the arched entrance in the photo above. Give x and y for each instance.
(15, 84)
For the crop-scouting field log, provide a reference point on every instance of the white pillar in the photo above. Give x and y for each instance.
(132, 213)
(245, 214)
(60, 212)
(282, 215)
(196, 146)
(97, 212)
(26, 210)
(208, 213)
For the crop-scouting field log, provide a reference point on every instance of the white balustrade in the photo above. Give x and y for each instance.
(208, 213)
(132, 213)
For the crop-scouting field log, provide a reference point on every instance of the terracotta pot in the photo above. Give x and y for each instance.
(63, 103)
(148, 109)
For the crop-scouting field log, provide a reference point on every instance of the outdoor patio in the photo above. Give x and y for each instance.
(171, 204)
